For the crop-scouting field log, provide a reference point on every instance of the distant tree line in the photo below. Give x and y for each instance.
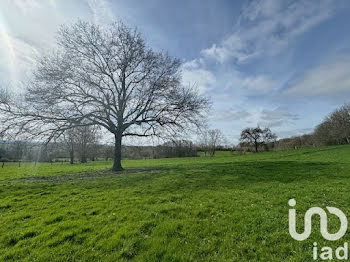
(295, 142)
(15, 151)
(76, 152)
(333, 130)
(82, 144)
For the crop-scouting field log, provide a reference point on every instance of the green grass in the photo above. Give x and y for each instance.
(227, 208)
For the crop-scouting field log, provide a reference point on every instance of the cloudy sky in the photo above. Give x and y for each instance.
(279, 64)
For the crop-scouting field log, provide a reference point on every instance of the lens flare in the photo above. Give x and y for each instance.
(8, 51)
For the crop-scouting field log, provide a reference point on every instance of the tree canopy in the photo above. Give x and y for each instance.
(257, 136)
(105, 76)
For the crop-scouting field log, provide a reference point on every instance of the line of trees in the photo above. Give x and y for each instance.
(176, 148)
(333, 130)
(16, 151)
(83, 143)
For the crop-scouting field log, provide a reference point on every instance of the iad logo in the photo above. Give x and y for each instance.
(326, 252)
(323, 217)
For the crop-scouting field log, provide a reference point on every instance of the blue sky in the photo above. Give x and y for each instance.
(280, 64)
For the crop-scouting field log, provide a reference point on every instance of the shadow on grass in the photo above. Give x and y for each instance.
(311, 152)
(203, 175)
(90, 175)
(246, 174)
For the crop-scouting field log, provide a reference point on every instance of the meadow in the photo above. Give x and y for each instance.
(226, 208)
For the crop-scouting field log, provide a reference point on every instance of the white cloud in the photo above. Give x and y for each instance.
(193, 74)
(102, 11)
(196, 72)
(26, 5)
(278, 114)
(257, 116)
(267, 26)
(193, 64)
(230, 115)
(233, 46)
(277, 117)
(258, 85)
(331, 80)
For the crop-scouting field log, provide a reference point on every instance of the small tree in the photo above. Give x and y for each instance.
(69, 141)
(78, 140)
(204, 142)
(215, 138)
(257, 137)
(86, 136)
(209, 141)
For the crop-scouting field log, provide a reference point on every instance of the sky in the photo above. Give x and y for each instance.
(278, 64)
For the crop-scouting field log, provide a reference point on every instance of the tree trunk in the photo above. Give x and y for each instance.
(256, 147)
(83, 158)
(83, 152)
(117, 165)
(71, 155)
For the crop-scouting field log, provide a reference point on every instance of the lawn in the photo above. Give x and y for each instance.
(226, 208)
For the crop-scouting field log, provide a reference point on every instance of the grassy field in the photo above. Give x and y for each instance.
(227, 208)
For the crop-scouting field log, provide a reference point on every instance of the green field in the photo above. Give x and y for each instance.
(226, 208)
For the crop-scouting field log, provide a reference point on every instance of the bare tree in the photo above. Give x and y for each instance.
(204, 141)
(210, 139)
(257, 137)
(104, 76)
(215, 138)
(78, 139)
(108, 152)
(296, 142)
(94, 147)
(85, 136)
(175, 148)
(335, 129)
(69, 141)
(18, 150)
(2, 153)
